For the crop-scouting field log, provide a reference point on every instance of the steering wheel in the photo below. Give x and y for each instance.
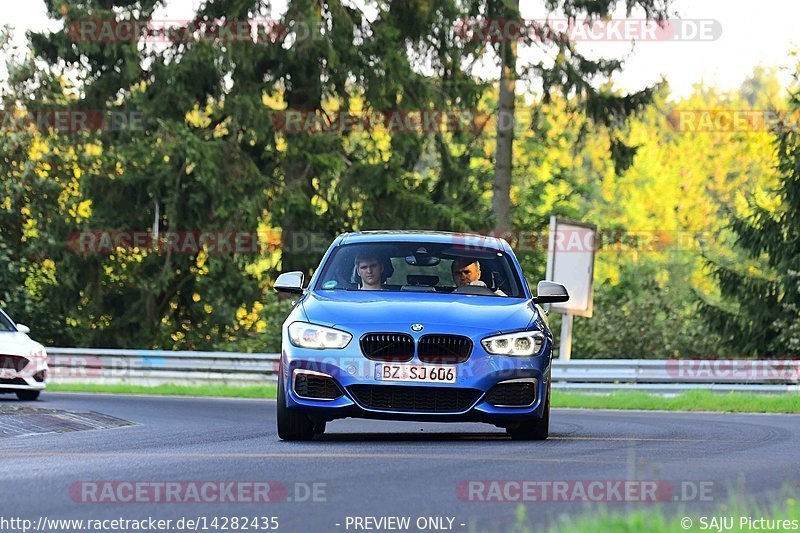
(474, 289)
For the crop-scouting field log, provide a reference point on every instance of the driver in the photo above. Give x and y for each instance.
(370, 270)
(467, 271)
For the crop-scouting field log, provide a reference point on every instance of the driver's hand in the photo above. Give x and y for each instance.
(478, 283)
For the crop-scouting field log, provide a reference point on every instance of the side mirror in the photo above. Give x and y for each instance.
(548, 292)
(291, 282)
(22, 328)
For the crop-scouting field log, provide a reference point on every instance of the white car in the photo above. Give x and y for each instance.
(23, 362)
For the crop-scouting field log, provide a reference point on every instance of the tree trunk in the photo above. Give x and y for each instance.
(304, 94)
(503, 166)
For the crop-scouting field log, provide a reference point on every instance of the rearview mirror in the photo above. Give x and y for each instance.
(425, 260)
(22, 328)
(291, 282)
(550, 292)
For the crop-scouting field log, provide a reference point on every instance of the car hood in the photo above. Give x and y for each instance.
(16, 344)
(473, 312)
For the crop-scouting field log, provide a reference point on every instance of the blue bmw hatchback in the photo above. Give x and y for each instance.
(425, 326)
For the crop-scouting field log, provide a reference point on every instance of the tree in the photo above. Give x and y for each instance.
(197, 161)
(208, 154)
(372, 178)
(504, 163)
(41, 204)
(759, 313)
(669, 209)
(566, 71)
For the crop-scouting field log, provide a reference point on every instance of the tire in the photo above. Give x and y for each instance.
(28, 395)
(291, 424)
(538, 429)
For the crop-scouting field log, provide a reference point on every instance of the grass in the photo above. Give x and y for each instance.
(733, 402)
(170, 389)
(656, 521)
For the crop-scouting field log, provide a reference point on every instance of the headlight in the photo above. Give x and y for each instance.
(524, 343)
(38, 354)
(305, 335)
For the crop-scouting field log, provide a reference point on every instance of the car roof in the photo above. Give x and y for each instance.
(442, 237)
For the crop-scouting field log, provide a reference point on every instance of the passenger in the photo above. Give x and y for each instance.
(370, 270)
(467, 271)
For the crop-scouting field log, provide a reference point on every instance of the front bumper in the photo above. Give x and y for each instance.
(16, 375)
(479, 373)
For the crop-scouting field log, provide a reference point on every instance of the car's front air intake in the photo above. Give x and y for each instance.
(444, 349)
(391, 347)
(315, 386)
(12, 381)
(513, 393)
(414, 399)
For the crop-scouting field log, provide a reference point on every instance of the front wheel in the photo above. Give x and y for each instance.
(291, 424)
(27, 395)
(538, 429)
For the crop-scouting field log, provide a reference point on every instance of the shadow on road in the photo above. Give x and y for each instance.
(410, 437)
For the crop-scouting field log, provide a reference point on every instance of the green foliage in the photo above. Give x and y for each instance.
(268, 390)
(744, 513)
(650, 313)
(759, 311)
(191, 158)
(209, 155)
(671, 207)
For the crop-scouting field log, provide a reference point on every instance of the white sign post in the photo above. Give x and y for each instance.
(570, 261)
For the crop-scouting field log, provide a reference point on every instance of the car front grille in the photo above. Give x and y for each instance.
(391, 347)
(512, 394)
(13, 362)
(314, 386)
(414, 399)
(444, 349)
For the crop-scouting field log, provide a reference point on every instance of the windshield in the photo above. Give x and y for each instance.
(6, 325)
(420, 267)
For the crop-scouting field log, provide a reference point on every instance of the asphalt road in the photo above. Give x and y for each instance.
(380, 469)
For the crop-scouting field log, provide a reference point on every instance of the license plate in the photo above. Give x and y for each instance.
(7, 373)
(415, 373)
